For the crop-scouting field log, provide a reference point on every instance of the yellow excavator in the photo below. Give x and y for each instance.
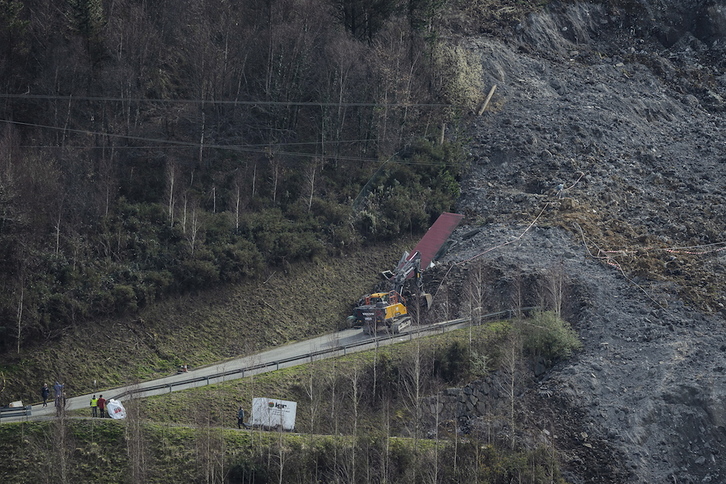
(382, 312)
(386, 312)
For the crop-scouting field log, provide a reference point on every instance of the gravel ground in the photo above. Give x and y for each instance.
(602, 160)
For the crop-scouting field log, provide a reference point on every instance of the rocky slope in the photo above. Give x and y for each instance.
(603, 158)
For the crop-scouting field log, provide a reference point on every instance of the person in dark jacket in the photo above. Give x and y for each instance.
(241, 418)
(45, 393)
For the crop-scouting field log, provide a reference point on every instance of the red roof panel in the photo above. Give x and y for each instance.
(435, 237)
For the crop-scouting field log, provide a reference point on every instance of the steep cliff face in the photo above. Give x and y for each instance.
(608, 131)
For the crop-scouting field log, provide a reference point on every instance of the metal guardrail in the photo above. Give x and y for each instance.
(432, 328)
(8, 412)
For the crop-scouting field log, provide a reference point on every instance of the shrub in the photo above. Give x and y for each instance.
(411, 193)
(239, 260)
(219, 228)
(280, 239)
(158, 281)
(547, 336)
(151, 286)
(454, 364)
(460, 75)
(103, 302)
(124, 298)
(195, 274)
(329, 211)
(63, 309)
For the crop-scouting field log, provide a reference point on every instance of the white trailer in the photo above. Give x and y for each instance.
(270, 413)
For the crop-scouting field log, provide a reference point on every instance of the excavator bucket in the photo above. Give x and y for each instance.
(427, 298)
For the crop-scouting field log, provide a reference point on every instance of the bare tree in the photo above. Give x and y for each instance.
(517, 294)
(311, 389)
(254, 178)
(57, 228)
(437, 414)
(276, 172)
(105, 173)
(335, 414)
(51, 448)
(310, 179)
(355, 396)
(413, 387)
(136, 445)
(62, 445)
(443, 310)
(553, 288)
(475, 298)
(511, 371)
(382, 469)
(19, 315)
(210, 446)
(195, 225)
(184, 212)
(237, 204)
(239, 201)
(202, 130)
(171, 182)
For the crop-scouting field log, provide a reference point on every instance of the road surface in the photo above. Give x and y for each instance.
(327, 346)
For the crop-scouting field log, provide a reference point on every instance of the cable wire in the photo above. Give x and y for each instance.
(49, 97)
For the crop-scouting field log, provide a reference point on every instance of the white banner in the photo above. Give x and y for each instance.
(268, 412)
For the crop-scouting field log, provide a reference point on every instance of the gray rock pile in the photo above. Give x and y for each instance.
(607, 133)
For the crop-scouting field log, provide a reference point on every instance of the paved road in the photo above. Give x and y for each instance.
(341, 339)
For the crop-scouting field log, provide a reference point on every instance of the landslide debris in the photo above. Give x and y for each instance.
(603, 152)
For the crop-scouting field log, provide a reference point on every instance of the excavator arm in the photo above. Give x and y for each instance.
(387, 311)
(423, 255)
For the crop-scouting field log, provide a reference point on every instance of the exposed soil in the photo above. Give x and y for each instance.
(603, 157)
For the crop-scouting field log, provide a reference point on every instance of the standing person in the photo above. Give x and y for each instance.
(45, 393)
(94, 406)
(241, 418)
(101, 404)
(58, 388)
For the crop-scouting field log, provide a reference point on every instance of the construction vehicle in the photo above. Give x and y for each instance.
(386, 311)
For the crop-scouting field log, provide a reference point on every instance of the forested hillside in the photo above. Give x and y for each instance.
(152, 148)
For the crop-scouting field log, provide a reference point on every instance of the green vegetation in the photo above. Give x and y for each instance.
(359, 420)
(549, 337)
(110, 451)
(380, 379)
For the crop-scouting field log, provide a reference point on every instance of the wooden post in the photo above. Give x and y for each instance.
(486, 101)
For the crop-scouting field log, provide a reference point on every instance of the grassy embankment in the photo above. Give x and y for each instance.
(201, 328)
(358, 414)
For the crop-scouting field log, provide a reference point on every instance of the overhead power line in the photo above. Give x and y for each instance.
(166, 143)
(213, 102)
(186, 144)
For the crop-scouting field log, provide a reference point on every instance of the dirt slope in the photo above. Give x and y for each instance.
(608, 128)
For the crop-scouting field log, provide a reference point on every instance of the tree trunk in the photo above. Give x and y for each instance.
(20, 315)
